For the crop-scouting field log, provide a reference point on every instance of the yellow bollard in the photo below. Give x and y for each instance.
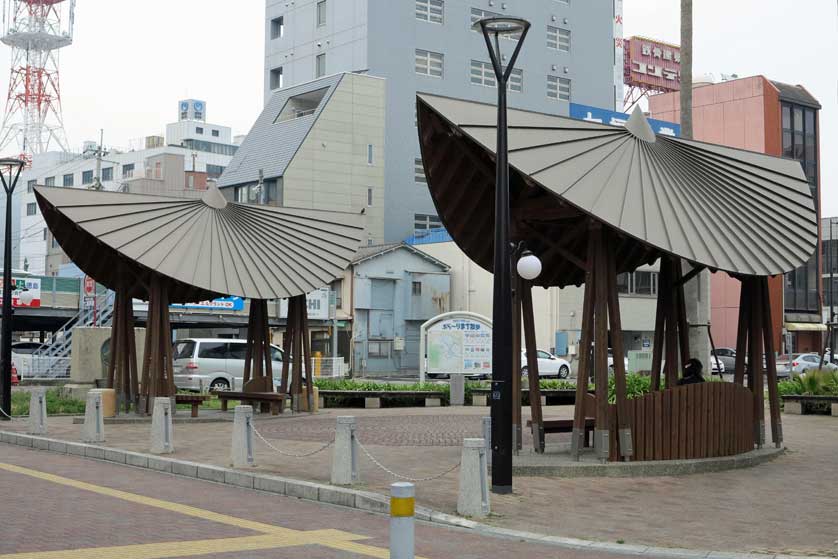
(318, 362)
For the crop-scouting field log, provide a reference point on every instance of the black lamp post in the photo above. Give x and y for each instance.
(493, 28)
(9, 173)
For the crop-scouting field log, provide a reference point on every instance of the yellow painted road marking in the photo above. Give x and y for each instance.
(272, 536)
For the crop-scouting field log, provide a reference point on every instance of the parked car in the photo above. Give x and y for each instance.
(727, 356)
(717, 367)
(797, 363)
(548, 365)
(15, 378)
(215, 364)
(22, 354)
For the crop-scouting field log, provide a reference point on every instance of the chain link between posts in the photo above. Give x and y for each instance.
(7, 415)
(290, 454)
(368, 454)
(399, 476)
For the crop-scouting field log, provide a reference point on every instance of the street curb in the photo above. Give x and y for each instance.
(351, 498)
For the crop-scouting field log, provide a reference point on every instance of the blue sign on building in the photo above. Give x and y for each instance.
(604, 116)
(222, 304)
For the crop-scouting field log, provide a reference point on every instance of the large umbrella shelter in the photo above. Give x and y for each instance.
(593, 201)
(180, 250)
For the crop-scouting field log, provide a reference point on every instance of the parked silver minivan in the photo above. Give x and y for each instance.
(215, 364)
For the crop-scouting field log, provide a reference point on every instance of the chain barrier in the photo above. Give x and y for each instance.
(399, 476)
(291, 454)
(9, 417)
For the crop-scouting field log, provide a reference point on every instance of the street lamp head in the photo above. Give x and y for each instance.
(11, 162)
(529, 266)
(502, 25)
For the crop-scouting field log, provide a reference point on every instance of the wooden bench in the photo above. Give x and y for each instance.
(795, 403)
(194, 399)
(566, 426)
(553, 396)
(266, 400)
(373, 398)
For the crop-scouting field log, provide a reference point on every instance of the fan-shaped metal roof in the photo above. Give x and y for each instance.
(203, 247)
(723, 208)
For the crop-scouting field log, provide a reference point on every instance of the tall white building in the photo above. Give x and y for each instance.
(204, 147)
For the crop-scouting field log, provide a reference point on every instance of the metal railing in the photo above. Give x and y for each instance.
(328, 367)
(52, 359)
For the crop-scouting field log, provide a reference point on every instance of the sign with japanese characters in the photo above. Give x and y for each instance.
(457, 343)
(652, 64)
(604, 116)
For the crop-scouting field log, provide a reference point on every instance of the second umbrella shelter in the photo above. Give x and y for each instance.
(169, 250)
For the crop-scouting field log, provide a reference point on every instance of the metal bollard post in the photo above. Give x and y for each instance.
(93, 430)
(487, 436)
(38, 412)
(242, 454)
(402, 507)
(161, 427)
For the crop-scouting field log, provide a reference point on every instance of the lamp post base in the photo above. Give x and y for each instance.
(502, 489)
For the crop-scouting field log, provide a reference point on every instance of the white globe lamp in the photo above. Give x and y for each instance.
(529, 266)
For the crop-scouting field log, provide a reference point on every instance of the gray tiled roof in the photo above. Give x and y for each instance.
(367, 252)
(271, 146)
(796, 94)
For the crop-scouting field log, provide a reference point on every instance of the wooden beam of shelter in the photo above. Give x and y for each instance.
(537, 419)
(771, 366)
(623, 425)
(258, 372)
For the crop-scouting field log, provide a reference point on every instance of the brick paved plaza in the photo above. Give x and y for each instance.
(784, 506)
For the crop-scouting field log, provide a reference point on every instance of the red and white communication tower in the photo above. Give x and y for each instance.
(35, 30)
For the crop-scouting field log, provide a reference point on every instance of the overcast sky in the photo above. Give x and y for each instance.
(132, 61)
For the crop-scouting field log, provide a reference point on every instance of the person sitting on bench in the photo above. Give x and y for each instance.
(692, 372)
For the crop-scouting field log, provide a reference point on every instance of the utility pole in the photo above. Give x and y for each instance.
(97, 182)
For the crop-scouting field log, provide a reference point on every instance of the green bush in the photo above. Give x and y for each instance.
(814, 383)
(56, 403)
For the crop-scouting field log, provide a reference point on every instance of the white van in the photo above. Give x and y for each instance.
(215, 364)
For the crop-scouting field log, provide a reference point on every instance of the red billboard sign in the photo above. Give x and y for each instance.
(89, 286)
(651, 64)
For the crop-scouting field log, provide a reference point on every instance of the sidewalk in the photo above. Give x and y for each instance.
(785, 506)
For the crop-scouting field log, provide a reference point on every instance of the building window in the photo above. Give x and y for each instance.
(277, 27)
(477, 14)
(128, 171)
(30, 186)
(87, 177)
(558, 88)
(424, 223)
(419, 171)
(46, 236)
(558, 38)
(378, 349)
(301, 105)
(321, 13)
(215, 133)
(49, 181)
(482, 73)
(429, 10)
(429, 63)
(68, 179)
(31, 208)
(337, 288)
(320, 65)
(214, 171)
(637, 283)
(276, 78)
(107, 174)
(417, 288)
(199, 130)
(369, 197)
(369, 154)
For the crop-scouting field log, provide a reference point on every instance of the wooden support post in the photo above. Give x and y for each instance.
(258, 376)
(287, 345)
(742, 333)
(578, 437)
(683, 326)
(158, 377)
(297, 356)
(537, 419)
(248, 349)
(306, 343)
(771, 365)
(601, 429)
(671, 332)
(664, 298)
(755, 362)
(624, 428)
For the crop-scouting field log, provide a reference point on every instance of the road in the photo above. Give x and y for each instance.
(67, 507)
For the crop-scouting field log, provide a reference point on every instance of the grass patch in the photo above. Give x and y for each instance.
(56, 403)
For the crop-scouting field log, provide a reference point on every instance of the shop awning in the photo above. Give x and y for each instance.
(805, 327)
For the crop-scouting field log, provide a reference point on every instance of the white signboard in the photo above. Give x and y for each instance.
(318, 305)
(457, 343)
